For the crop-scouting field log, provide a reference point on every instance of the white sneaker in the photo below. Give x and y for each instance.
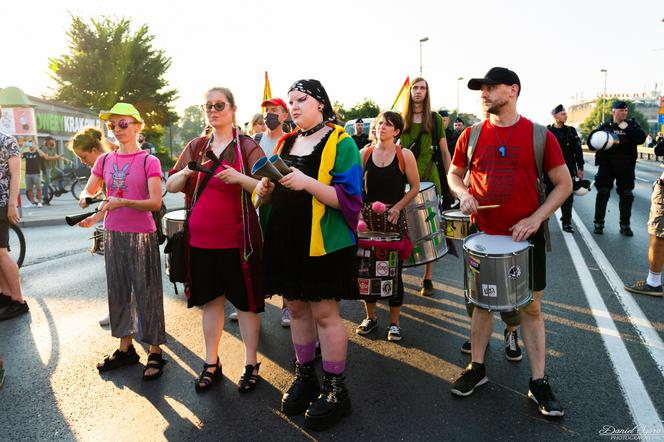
(285, 317)
(233, 316)
(39, 205)
(105, 321)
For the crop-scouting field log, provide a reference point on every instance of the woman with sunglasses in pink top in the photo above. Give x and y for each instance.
(131, 181)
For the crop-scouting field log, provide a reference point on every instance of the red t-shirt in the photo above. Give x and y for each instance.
(216, 219)
(505, 176)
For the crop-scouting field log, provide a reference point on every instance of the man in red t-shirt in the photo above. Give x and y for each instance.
(504, 172)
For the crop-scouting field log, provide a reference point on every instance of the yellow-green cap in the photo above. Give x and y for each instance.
(122, 109)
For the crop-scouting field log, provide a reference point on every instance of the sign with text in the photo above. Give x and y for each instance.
(18, 121)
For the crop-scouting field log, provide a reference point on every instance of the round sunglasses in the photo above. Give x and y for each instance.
(122, 124)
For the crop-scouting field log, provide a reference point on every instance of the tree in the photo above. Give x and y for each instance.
(594, 119)
(366, 109)
(191, 124)
(109, 63)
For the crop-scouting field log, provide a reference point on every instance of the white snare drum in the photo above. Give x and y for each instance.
(497, 272)
(98, 241)
(378, 273)
(173, 221)
(456, 224)
(424, 230)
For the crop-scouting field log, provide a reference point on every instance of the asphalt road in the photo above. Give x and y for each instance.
(609, 374)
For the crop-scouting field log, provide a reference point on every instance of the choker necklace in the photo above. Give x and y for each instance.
(316, 128)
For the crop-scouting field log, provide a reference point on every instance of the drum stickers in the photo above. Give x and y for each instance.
(377, 272)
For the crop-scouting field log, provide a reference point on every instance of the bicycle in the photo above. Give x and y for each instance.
(16, 245)
(71, 180)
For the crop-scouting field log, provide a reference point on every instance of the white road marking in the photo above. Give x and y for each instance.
(640, 405)
(653, 342)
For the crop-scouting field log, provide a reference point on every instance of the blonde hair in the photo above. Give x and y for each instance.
(256, 119)
(87, 139)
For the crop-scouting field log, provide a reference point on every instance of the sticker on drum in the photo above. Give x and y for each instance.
(514, 272)
(382, 268)
(489, 290)
(364, 286)
(386, 288)
(474, 263)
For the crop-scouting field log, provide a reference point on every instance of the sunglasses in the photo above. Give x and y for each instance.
(122, 124)
(217, 106)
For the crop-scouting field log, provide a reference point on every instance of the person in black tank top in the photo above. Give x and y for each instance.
(387, 168)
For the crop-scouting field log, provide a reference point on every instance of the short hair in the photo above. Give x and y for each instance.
(394, 118)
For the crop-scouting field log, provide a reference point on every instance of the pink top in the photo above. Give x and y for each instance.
(216, 219)
(126, 176)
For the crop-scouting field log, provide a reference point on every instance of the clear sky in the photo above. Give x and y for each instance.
(365, 49)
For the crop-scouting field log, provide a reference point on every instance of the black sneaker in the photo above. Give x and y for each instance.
(540, 392)
(427, 288)
(512, 349)
(331, 406)
(367, 326)
(13, 309)
(466, 348)
(568, 228)
(599, 229)
(643, 288)
(472, 377)
(394, 333)
(626, 231)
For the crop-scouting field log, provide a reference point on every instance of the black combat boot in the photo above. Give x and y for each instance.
(600, 209)
(332, 404)
(304, 389)
(625, 206)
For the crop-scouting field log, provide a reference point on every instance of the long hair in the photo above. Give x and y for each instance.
(407, 112)
(229, 154)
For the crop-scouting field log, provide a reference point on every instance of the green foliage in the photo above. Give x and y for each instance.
(109, 63)
(165, 158)
(366, 109)
(595, 118)
(191, 124)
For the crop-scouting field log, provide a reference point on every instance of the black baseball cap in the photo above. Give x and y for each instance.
(495, 75)
(443, 113)
(619, 104)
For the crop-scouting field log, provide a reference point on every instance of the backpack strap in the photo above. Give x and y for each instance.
(539, 146)
(366, 156)
(475, 131)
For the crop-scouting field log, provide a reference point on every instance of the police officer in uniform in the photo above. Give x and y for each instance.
(452, 138)
(617, 163)
(570, 144)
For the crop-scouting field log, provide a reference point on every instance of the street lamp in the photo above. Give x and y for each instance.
(604, 96)
(457, 106)
(422, 40)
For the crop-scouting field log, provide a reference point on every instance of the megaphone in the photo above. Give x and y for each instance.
(602, 140)
(581, 187)
(72, 220)
(265, 169)
(280, 164)
(193, 165)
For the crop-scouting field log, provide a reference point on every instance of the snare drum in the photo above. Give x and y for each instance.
(98, 241)
(378, 274)
(456, 224)
(423, 219)
(497, 272)
(173, 221)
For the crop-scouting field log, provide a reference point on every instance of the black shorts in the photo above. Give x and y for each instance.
(215, 273)
(538, 276)
(4, 228)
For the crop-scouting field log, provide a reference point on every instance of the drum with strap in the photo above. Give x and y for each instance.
(456, 224)
(497, 272)
(98, 241)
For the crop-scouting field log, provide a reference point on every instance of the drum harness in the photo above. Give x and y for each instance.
(539, 145)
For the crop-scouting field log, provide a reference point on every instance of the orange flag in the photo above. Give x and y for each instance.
(400, 102)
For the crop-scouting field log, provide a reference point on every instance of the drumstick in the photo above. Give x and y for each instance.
(492, 206)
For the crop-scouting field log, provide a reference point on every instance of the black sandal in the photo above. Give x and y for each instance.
(119, 359)
(207, 378)
(249, 380)
(155, 361)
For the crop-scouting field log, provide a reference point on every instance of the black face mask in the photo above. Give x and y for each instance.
(272, 121)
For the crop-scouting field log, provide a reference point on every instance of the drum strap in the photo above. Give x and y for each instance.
(539, 146)
(398, 152)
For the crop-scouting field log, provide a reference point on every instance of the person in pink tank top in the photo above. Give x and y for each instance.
(224, 237)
